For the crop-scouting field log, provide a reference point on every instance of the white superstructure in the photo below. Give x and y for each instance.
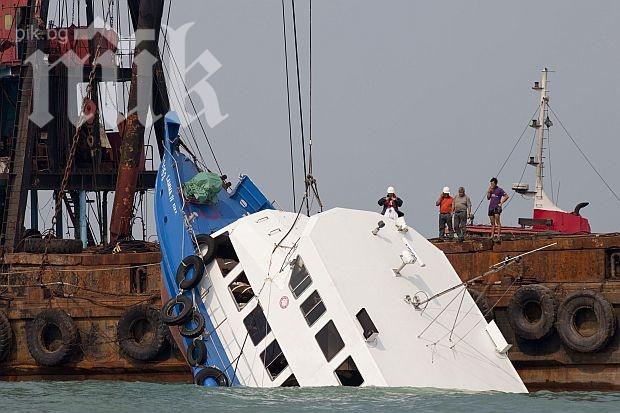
(316, 301)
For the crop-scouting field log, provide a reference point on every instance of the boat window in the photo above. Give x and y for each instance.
(348, 374)
(257, 325)
(370, 330)
(291, 381)
(300, 278)
(274, 359)
(312, 308)
(329, 340)
(241, 290)
(225, 254)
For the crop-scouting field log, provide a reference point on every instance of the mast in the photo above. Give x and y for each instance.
(541, 129)
(542, 125)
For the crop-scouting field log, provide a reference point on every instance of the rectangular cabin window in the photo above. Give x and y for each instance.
(257, 325)
(370, 330)
(225, 254)
(348, 374)
(274, 359)
(312, 308)
(241, 290)
(329, 340)
(8, 21)
(300, 278)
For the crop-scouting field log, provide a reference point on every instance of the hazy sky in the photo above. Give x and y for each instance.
(417, 95)
(414, 94)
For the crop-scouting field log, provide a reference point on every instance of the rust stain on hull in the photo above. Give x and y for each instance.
(575, 263)
(95, 290)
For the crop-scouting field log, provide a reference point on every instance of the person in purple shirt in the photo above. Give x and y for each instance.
(496, 196)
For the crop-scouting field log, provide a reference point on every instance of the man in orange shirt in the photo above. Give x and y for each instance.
(445, 213)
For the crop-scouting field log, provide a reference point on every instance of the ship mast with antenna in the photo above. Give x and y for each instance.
(547, 216)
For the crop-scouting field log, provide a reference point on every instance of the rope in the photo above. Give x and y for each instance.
(301, 115)
(508, 157)
(24, 271)
(288, 102)
(584, 155)
(522, 172)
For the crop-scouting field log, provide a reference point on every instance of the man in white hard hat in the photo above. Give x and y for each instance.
(445, 213)
(391, 204)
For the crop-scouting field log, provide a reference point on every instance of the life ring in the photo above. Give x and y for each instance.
(586, 321)
(168, 315)
(531, 311)
(211, 373)
(194, 262)
(193, 327)
(196, 353)
(482, 301)
(206, 247)
(141, 334)
(6, 335)
(52, 337)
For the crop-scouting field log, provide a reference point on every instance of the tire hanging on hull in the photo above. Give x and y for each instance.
(168, 315)
(482, 301)
(52, 337)
(141, 334)
(196, 353)
(6, 336)
(586, 321)
(211, 373)
(189, 263)
(532, 311)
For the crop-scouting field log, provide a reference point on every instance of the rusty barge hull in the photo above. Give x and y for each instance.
(95, 290)
(575, 263)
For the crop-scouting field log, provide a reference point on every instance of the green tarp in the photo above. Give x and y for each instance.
(203, 187)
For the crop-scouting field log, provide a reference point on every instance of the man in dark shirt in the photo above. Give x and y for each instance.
(391, 201)
(497, 197)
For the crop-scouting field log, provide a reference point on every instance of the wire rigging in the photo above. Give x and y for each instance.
(583, 154)
(301, 115)
(288, 103)
(509, 155)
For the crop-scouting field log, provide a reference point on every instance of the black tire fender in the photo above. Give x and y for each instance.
(52, 337)
(585, 304)
(206, 247)
(214, 373)
(532, 311)
(6, 336)
(54, 245)
(198, 320)
(167, 312)
(482, 301)
(190, 262)
(141, 334)
(196, 353)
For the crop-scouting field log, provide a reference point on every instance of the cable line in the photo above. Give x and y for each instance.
(301, 115)
(584, 155)
(509, 155)
(288, 103)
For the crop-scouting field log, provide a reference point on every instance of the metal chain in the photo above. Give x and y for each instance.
(70, 159)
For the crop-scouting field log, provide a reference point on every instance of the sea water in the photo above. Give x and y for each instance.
(108, 396)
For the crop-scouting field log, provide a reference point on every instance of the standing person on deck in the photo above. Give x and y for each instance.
(461, 210)
(497, 197)
(444, 203)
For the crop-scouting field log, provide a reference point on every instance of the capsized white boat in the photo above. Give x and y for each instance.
(322, 305)
(264, 298)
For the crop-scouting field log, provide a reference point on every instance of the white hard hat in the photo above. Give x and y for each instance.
(446, 190)
(390, 190)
